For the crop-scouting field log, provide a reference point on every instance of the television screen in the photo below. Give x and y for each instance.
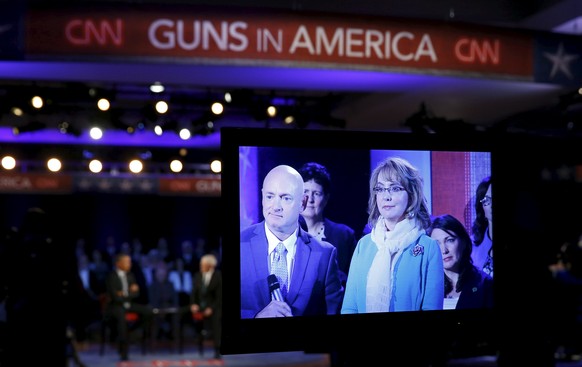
(438, 177)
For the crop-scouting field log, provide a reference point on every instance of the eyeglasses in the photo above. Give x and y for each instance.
(486, 201)
(390, 189)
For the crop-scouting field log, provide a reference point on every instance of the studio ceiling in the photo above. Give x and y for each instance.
(369, 100)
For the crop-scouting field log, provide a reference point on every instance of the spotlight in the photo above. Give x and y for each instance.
(8, 162)
(176, 166)
(216, 166)
(217, 108)
(37, 102)
(157, 87)
(54, 164)
(95, 166)
(135, 166)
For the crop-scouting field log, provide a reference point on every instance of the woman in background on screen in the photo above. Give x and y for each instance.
(466, 286)
(483, 228)
(318, 190)
(397, 266)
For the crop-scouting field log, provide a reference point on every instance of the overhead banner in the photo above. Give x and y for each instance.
(31, 183)
(28, 183)
(223, 36)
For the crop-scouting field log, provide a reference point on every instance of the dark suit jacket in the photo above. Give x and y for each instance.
(477, 292)
(114, 285)
(344, 239)
(209, 296)
(315, 287)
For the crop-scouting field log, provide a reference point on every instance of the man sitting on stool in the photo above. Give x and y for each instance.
(122, 290)
(206, 302)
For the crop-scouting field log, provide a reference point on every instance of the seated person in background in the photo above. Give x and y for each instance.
(206, 301)
(162, 295)
(466, 286)
(122, 290)
(182, 280)
(317, 187)
(482, 228)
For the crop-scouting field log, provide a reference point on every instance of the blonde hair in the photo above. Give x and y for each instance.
(400, 170)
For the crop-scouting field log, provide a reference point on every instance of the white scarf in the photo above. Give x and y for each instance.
(390, 245)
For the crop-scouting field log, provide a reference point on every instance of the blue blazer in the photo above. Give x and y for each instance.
(315, 287)
(418, 277)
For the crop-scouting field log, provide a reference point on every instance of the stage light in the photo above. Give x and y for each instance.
(135, 166)
(95, 166)
(54, 165)
(217, 108)
(158, 130)
(289, 120)
(36, 102)
(176, 166)
(216, 166)
(185, 134)
(162, 107)
(8, 162)
(96, 133)
(271, 111)
(157, 87)
(227, 97)
(103, 104)
(17, 111)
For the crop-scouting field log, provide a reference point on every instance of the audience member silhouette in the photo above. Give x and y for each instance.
(162, 295)
(100, 267)
(122, 291)
(206, 302)
(181, 278)
(567, 275)
(39, 274)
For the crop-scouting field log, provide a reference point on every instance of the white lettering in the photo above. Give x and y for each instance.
(425, 49)
(373, 40)
(396, 51)
(302, 40)
(168, 39)
(363, 43)
(336, 41)
(167, 34)
(353, 41)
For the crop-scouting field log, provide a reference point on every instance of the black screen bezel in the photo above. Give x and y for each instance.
(331, 332)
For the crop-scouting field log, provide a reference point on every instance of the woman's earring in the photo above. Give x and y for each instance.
(410, 215)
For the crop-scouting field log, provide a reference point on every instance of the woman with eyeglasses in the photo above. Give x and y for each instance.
(397, 266)
(482, 228)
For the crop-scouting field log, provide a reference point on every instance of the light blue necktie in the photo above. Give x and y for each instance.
(279, 267)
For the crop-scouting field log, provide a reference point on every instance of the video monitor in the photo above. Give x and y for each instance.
(451, 168)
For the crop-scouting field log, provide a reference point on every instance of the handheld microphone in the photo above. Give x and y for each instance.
(275, 287)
